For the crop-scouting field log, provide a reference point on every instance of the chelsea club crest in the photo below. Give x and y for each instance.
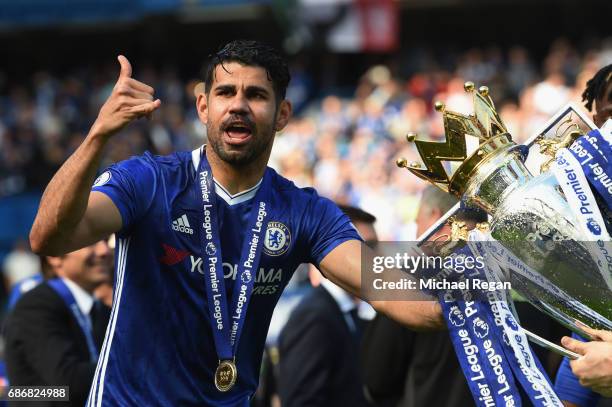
(277, 239)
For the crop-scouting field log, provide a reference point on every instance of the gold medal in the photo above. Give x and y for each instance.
(225, 375)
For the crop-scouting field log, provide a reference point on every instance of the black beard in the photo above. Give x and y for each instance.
(241, 158)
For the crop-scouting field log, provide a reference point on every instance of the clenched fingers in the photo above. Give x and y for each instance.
(124, 88)
(134, 94)
(126, 103)
(144, 109)
(137, 85)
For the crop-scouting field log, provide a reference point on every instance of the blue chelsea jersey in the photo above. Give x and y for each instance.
(159, 348)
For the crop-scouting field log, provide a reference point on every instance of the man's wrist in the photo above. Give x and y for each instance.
(98, 134)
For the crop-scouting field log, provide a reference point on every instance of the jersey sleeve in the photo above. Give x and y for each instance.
(327, 227)
(131, 186)
(568, 387)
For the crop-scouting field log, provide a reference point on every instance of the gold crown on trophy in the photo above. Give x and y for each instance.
(485, 124)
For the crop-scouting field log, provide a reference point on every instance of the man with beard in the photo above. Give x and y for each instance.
(54, 334)
(207, 239)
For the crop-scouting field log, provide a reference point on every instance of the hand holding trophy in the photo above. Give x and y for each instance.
(549, 234)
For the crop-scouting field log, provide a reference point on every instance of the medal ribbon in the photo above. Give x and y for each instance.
(60, 287)
(471, 329)
(573, 181)
(490, 345)
(226, 337)
(593, 153)
(525, 365)
(482, 361)
(470, 352)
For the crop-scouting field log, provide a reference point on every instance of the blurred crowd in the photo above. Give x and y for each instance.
(345, 147)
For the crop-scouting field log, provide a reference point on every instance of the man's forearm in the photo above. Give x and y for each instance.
(416, 315)
(343, 266)
(64, 201)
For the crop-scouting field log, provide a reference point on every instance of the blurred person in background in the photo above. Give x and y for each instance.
(403, 368)
(25, 285)
(598, 95)
(55, 331)
(104, 291)
(20, 264)
(319, 345)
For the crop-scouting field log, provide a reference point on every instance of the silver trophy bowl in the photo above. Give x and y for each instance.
(530, 218)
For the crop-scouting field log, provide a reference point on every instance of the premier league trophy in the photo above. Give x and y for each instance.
(558, 245)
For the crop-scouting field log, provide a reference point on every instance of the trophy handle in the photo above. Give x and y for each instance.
(569, 108)
(550, 346)
(538, 340)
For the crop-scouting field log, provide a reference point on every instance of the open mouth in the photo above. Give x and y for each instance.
(238, 133)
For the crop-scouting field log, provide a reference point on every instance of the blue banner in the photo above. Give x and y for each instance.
(473, 334)
(490, 345)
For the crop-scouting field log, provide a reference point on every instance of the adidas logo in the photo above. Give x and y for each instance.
(182, 225)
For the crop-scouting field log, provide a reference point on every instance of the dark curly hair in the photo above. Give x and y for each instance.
(596, 86)
(252, 53)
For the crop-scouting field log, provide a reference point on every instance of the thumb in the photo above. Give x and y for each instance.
(126, 67)
(574, 345)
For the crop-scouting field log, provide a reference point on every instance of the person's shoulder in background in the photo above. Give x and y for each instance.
(40, 296)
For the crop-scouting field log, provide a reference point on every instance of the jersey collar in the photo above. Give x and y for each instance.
(230, 199)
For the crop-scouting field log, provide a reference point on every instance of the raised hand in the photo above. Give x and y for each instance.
(129, 100)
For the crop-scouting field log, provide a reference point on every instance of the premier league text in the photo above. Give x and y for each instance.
(246, 276)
